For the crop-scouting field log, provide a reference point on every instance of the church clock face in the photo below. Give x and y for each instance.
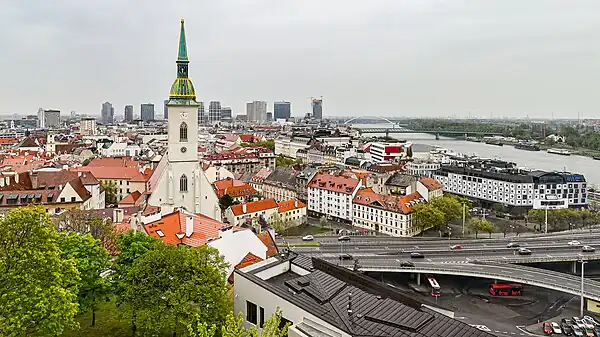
(183, 149)
(183, 115)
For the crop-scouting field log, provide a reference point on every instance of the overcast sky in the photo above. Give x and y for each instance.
(378, 57)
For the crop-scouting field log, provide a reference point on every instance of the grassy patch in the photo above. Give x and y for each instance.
(109, 322)
(304, 244)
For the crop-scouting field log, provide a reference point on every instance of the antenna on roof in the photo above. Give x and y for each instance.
(350, 304)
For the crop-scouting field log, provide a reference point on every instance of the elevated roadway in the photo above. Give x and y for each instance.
(478, 258)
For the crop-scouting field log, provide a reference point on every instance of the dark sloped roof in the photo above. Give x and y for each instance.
(282, 176)
(399, 179)
(377, 309)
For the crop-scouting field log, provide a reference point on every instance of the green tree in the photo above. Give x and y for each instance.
(111, 192)
(449, 206)
(91, 260)
(487, 227)
(225, 202)
(427, 216)
(233, 327)
(78, 221)
(282, 160)
(498, 208)
(278, 224)
(323, 222)
(269, 144)
(38, 289)
(409, 152)
(272, 327)
(185, 285)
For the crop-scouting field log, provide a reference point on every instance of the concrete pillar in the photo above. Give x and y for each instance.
(574, 267)
(418, 279)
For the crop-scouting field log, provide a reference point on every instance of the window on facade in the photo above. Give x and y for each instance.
(262, 317)
(183, 183)
(251, 312)
(183, 134)
(72, 199)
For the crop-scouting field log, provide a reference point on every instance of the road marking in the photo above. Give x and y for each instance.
(525, 332)
(481, 327)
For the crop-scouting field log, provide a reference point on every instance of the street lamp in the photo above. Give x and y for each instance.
(546, 221)
(463, 222)
(582, 279)
(449, 232)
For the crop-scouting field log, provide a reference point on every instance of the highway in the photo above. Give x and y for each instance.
(486, 258)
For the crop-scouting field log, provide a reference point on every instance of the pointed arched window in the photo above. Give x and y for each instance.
(183, 183)
(183, 132)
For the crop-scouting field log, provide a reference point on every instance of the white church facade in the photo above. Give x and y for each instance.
(178, 180)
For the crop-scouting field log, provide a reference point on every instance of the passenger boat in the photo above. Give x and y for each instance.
(561, 152)
(527, 147)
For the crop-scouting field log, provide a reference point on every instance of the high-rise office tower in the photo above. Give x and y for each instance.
(108, 113)
(269, 116)
(317, 108)
(214, 112)
(202, 118)
(256, 111)
(226, 115)
(51, 118)
(128, 113)
(165, 110)
(147, 112)
(282, 110)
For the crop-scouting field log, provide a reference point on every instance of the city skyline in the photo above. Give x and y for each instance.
(398, 58)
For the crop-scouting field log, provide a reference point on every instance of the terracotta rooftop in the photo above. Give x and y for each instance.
(333, 183)
(268, 240)
(431, 184)
(131, 198)
(254, 206)
(114, 162)
(171, 229)
(289, 205)
(122, 173)
(390, 203)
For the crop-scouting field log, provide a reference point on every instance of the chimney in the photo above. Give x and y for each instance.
(33, 176)
(244, 209)
(189, 225)
(296, 203)
(117, 215)
(79, 174)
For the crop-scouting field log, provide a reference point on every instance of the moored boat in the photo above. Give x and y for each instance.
(561, 152)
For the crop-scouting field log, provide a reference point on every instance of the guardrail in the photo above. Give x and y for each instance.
(540, 281)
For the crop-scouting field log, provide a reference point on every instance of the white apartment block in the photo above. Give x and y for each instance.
(331, 195)
(515, 188)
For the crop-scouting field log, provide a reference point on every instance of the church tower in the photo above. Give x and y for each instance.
(178, 181)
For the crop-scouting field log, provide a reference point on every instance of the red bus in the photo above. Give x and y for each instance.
(435, 287)
(506, 289)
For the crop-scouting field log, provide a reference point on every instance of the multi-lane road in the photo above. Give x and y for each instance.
(478, 258)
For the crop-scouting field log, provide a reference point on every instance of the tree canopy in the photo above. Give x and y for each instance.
(38, 288)
(426, 216)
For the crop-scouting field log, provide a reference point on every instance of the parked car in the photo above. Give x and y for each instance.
(578, 322)
(308, 238)
(566, 329)
(588, 249)
(574, 243)
(547, 328)
(577, 331)
(513, 245)
(556, 328)
(407, 264)
(592, 319)
(344, 238)
(524, 251)
(589, 331)
(346, 257)
(567, 321)
(456, 247)
(417, 255)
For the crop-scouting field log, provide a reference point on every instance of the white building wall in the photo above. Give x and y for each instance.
(338, 205)
(246, 290)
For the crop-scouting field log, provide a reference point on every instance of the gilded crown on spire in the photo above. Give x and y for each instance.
(182, 88)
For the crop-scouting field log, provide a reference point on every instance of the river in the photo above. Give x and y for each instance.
(542, 160)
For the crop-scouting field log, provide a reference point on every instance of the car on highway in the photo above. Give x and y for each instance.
(566, 329)
(574, 243)
(456, 247)
(417, 255)
(346, 257)
(407, 264)
(588, 249)
(308, 238)
(344, 238)
(513, 245)
(547, 328)
(577, 331)
(556, 328)
(524, 251)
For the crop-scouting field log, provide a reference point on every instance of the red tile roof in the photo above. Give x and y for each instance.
(390, 203)
(173, 227)
(131, 198)
(114, 162)
(233, 188)
(247, 138)
(268, 240)
(333, 183)
(254, 206)
(431, 184)
(123, 173)
(248, 260)
(289, 205)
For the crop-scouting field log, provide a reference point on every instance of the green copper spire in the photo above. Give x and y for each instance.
(182, 89)
(182, 46)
